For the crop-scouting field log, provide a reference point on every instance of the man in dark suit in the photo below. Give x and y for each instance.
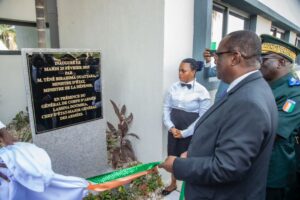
(229, 153)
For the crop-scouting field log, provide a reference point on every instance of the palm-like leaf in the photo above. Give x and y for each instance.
(111, 127)
(120, 147)
(133, 135)
(127, 150)
(116, 109)
(129, 118)
(123, 110)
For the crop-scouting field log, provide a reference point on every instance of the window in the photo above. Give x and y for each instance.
(235, 23)
(297, 43)
(216, 27)
(16, 35)
(226, 20)
(277, 32)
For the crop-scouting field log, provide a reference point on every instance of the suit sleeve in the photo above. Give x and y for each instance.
(238, 144)
(210, 70)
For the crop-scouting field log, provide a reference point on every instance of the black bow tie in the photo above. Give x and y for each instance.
(189, 86)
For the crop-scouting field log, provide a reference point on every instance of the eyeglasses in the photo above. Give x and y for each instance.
(264, 59)
(218, 54)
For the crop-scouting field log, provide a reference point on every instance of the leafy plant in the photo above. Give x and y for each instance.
(19, 127)
(120, 150)
(8, 36)
(144, 187)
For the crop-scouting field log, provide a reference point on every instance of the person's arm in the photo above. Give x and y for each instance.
(238, 144)
(209, 68)
(288, 121)
(3, 176)
(204, 106)
(167, 111)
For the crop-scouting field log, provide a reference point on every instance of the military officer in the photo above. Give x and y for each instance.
(277, 61)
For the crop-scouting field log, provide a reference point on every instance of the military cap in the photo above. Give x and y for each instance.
(270, 44)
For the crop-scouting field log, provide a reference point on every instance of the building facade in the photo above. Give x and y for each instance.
(142, 44)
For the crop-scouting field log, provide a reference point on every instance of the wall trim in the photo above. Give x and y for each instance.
(254, 7)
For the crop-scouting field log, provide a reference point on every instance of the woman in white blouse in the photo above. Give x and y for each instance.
(185, 102)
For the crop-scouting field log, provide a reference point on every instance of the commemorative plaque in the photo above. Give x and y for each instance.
(65, 88)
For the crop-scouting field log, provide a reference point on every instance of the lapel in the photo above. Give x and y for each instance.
(250, 78)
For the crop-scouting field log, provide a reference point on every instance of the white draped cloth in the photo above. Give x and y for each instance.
(31, 176)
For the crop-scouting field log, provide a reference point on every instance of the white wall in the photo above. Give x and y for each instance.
(130, 36)
(12, 89)
(178, 41)
(17, 10)
(289, 9)
(263, 25)
(292, 38)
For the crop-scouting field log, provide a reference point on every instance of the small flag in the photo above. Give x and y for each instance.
(289, 106)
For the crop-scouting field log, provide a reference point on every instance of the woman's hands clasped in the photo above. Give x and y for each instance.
(176, 133)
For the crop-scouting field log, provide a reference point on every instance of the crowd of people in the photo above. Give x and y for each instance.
(244, 145)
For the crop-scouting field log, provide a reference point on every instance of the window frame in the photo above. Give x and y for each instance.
(18, 23)
(275, 29)
(229, 10)
(297, 41)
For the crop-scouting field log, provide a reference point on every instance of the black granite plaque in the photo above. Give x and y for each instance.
(65, 87)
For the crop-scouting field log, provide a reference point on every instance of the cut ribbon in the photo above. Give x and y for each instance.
(120, 177)
(181, 197)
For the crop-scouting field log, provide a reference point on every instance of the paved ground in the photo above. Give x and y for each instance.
(173, 196)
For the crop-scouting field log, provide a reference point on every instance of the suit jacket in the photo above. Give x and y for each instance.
(229, 153)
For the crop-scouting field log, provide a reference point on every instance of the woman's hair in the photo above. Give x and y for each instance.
(195, 66)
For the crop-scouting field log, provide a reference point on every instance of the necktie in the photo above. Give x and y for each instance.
(189, 86)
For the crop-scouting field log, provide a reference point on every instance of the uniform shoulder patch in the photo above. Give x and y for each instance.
(293, 82)
(289, 106)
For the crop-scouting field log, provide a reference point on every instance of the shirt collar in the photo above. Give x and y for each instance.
(239, 79)
(283, 80)
(191, 82)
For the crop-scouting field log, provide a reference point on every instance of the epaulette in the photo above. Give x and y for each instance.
(293, 82)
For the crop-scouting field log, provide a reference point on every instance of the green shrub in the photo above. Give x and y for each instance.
(19, 127)
(140, 188)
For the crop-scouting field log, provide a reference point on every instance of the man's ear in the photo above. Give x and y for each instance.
(236, 59)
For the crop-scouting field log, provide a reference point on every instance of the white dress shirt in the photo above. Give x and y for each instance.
(239, 79)
(196, 100)
(31, 176)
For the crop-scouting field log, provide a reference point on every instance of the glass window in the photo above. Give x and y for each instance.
(217, 27)
(277, 32)
(235, 23)
(297, 43)
(224, 21)
(14, 36)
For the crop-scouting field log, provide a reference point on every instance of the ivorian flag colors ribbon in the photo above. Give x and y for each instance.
(120, 177)
(181, 197)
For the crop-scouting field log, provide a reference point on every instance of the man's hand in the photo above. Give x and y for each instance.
(207, 55)
(183, 155)
(168, 164)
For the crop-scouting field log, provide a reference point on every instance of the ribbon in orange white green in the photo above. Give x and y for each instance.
(120, 177)
(182, 191)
